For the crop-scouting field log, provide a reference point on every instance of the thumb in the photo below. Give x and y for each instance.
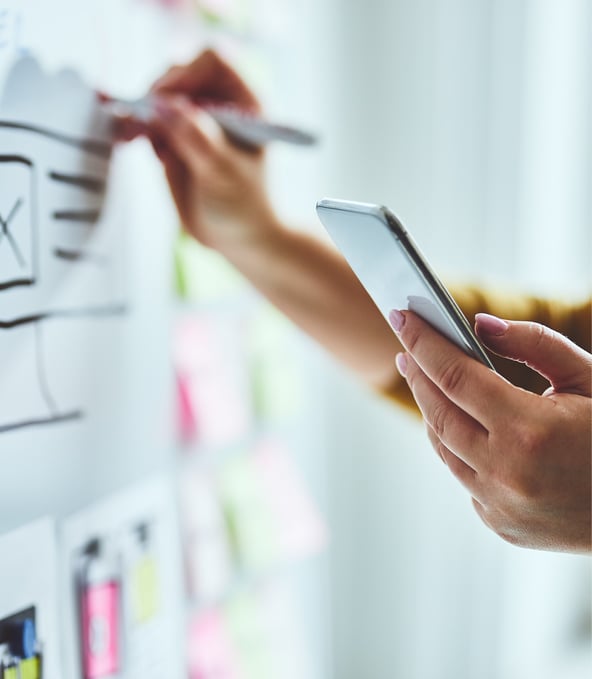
(567, 366)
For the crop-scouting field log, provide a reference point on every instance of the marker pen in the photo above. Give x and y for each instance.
(245, 127)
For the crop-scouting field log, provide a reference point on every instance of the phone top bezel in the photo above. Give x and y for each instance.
(447, 303)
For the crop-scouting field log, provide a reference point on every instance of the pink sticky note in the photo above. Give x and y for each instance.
(100, 630)
(301, 530)
(210, 650)
(207, 354)
(186, 419)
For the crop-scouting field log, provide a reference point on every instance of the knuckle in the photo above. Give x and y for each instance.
(542, 335)
(439, 419)
(513, 538)
(436, 443)
(481, 512)
(498, 523)
(209, 57)
(452, 377)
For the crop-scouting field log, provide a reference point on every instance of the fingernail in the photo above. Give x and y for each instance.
(397, 319)
(491, 325)
(401, 361)
(163, 109)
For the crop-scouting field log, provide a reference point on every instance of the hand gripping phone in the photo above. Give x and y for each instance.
(393, 271)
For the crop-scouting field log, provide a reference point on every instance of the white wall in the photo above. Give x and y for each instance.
(470, 118)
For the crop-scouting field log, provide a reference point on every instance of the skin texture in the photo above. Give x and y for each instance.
(524, 458)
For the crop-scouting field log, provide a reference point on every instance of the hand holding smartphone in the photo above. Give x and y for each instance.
(393, 271)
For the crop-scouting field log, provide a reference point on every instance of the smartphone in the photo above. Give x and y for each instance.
(393, 271)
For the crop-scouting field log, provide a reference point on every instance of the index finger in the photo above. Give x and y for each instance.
(483, 394)
(208, 78)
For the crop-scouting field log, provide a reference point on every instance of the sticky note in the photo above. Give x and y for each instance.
(202, 274)
(186, 416)
(275, 383)
(30, 668)
(100, 629)
(145, 589)
(212, 377)
(205, 540)
(246, 622)
(250, 521)
(299, 525)
(211, 652)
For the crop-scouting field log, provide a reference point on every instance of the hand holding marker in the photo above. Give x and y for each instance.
(244, 127)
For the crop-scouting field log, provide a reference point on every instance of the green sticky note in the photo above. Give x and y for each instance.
(246, 624)
(202, 274)
(252, 527)
(275, 383)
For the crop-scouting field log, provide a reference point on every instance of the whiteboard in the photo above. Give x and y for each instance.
(84, 266)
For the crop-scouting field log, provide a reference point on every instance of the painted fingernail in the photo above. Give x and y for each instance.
(163, 109)
(401, 361)
(491, 325)
(397, 319)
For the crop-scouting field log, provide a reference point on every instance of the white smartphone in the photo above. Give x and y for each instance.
(393, 271)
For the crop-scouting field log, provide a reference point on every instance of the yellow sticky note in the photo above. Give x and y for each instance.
(145, 590)
(30, 668)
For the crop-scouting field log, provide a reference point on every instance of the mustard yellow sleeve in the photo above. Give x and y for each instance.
(574, 320)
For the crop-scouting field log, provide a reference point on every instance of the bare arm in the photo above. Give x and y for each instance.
(314, 286)
(220, 193)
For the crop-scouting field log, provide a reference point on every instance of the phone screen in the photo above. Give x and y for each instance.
(392, 269)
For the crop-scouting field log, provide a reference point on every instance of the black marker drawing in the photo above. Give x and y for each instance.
(54, 415)
(80, 256)
(18, 228)
(86, 216)
(7, 234)
(89, 183)
(59, 260)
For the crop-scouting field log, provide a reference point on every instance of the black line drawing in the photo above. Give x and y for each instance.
(21, 247)
(18, 231)
(40, 421)
(94, 312)
(98, 148)
(86, 216)
(80, 256)
(82, 181)
(7, 234)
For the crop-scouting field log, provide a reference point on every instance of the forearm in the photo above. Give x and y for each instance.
(313, 286)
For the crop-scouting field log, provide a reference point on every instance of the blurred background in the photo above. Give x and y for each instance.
(472, 120)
